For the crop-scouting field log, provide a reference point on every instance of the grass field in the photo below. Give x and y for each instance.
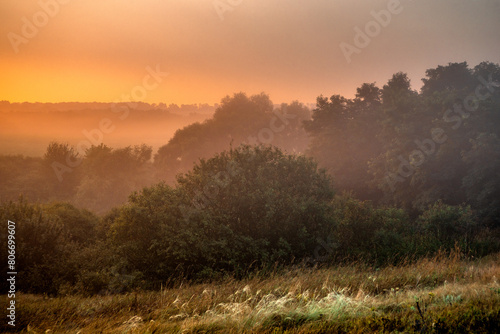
(444, 294)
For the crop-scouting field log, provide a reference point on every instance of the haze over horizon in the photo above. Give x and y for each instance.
(100, 51)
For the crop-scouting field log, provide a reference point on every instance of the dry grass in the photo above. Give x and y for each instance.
(431, 295)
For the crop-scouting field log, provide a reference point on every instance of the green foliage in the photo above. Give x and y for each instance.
(80, 225)
(390, 235)
(364, 232)
(243, 206)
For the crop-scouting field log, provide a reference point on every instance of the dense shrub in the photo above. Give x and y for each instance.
(243, 207)
(390, 235)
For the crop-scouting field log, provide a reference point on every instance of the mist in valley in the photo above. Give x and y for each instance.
(250, 166)
(28, 128)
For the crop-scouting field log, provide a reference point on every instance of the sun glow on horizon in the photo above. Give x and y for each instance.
(98, 51)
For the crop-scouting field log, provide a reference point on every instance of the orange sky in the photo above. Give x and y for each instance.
(99, 50)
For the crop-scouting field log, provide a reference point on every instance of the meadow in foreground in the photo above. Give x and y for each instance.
(446, 293)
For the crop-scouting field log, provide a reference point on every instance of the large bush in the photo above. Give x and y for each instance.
(250, 206)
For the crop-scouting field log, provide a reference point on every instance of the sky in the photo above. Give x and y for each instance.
(198, 51)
